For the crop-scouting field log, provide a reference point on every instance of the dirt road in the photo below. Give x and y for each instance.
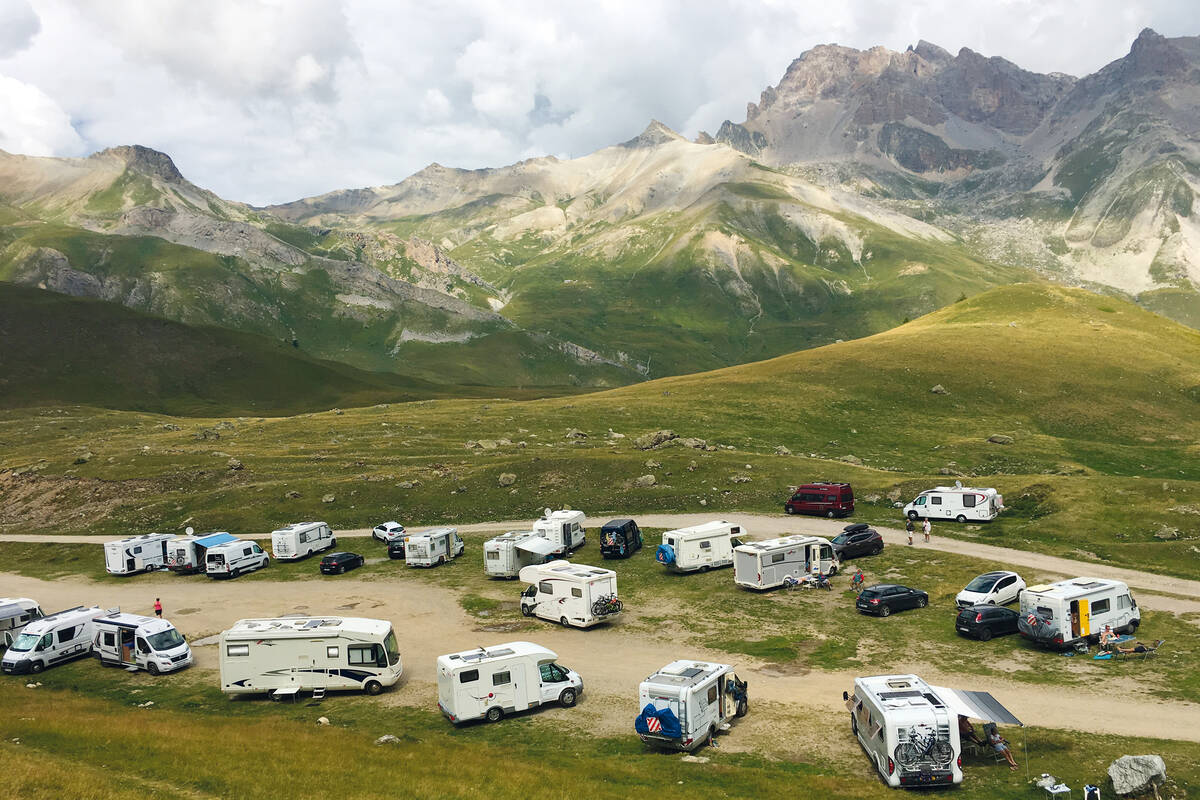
(613, 660)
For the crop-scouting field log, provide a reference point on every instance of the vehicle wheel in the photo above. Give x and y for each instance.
(704, 568)
(985, 634)
(991, 602)
(527, 611)
(36, 667)
(441, 559)
(829, 514)
(743, 707)
(1133, 625)
(234, 572)
(788, 510)
(885, 611)
(341, 568)
(853, 724)
(960, 519)
(912, 515)
(922, 602)
(495, 714)
(878, 549)
(567, 698)
(332, 544)
(373, 687)
(563, 621)
(152, 668)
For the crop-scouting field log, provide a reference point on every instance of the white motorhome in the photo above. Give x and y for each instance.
(143, 553)
(301, 539)
(1076, 610)
(51, 640)
(765, 565)
(186, 554)
(292, 654)
(505, 555)
(906, 729)
(685, 703)
(231, 559)
(136, 642)
(562, 528)
(959, 503)
(572, 594)
(700, 547)
(489, 683)
(432, 547)
(15, 614)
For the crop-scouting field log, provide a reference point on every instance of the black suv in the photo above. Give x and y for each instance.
(620, 538)
(337, 563)
(984, 622)
(884, 598)
(856, 540)
(396, 548)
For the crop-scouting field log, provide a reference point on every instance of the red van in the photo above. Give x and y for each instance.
(822, 498)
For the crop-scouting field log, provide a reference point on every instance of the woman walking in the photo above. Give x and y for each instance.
(158, 606)
(926, 527)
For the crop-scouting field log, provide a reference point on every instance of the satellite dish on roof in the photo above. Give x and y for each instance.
(189, 530)
(547, 513)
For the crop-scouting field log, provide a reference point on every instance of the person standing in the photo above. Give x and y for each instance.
(158, 606)
(908, 526)
(926, 528)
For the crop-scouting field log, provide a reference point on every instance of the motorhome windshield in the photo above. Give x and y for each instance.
(167, 640)
(393, 650)
(24, 642)
(983, 583)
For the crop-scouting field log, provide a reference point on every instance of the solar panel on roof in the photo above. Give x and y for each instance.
(691, 672)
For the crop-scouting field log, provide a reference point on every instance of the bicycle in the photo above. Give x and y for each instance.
(923, 743)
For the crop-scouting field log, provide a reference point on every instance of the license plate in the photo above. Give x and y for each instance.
(965, 630)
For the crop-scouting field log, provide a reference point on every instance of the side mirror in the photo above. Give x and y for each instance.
(845, 695)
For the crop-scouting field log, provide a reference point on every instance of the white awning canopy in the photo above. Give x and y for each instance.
(537, 545)
(976, 705)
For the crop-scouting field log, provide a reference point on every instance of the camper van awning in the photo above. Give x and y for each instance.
(976, 705)
(216, 539)
(537, 545)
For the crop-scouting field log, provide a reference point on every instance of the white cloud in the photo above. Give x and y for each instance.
(18, 25)
(32, 124)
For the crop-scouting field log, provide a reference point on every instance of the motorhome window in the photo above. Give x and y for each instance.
(1101, 606)
(552, 673)
(303, 538)
(968, 500)
(935, 500)
(1123, 601)
(110, 640)
(24, 642)
(1045, 612)
(712, 693)
(546, 587)
(501, 678)
(468, 676)
(493, 555)
(706, 545)
(237, 650)
(777, 557)
(920, 501)
(393, 650)
(137, 550)
(576, 591)
(361, 654)
(256, 548)
(167, 640)
(142, 646)
(332, 652)
(67, 634)
(247, 551)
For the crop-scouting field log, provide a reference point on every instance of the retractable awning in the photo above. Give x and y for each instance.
(536, 545)
(976, 705)
(215, 539)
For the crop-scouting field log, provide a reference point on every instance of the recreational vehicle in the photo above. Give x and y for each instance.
(1064, 613)
(685, 703)
(563, 529)
(186, 554)
(765, 565)
(504, 556)
(284, 656)
(51, 640)
(700, 547)
(231, 559)
(959, 503)
(136, 642)
(143, 553)
(906, 729)
(432, 547)
(301, 539)
(489, 683)
(572, 594)
(15, 614)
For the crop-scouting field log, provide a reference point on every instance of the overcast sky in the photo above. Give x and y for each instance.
(271, 100)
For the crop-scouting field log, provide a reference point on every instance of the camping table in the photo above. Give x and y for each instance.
(1056, 791)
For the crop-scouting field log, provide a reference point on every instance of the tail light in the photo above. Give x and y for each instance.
(959, 761)
(687, 741)
(979, 617)
(758, 577)
(891, 767)
(874, 601)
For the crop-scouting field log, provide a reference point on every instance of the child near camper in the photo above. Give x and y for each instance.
(927, 528)
(908, 526)
(158, 606)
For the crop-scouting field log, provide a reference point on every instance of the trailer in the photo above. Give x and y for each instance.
(563, 528)
(186, 554)
(432, 547)
(959, 503)
(700, 547)
(144, 553)
(52, 640)
(300, 540)
(136, 642)
(686, 703)
(15, 614)
(765, 565)
(284, 656)
(504, 556)
(487, 683)
(1070, 612)
(571, 594)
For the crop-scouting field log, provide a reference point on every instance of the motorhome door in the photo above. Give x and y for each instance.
(127, 656)
(143, 652)
(814, 559)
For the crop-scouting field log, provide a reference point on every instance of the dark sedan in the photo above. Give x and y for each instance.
(857, 540)
(984, 622)
(337, 563)
(884, 598)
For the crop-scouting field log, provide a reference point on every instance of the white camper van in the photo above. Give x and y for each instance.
(292, 654)
(505, 555)
(143, 553)
(136, 642)
(231, 559)
(906, 729)
(432, 547)
(765, 565)
(489, 683)
(186, 554)
(700, 547)
(959, 503)
(15, 614)
(685, 703)
(1063, 613)
(51, 640)
(301, 539)
(572, 594)
(563, 529)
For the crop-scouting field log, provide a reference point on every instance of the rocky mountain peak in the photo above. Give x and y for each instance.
(656, 133)
(145, 160)
(1154, 54)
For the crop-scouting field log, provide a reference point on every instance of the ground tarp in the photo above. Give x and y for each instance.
(976, 705)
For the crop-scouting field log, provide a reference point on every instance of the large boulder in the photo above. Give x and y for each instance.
(1137, 774)
(646, 480)
(939, 389)
(651, 440)
(1000, 438)
(507, 478)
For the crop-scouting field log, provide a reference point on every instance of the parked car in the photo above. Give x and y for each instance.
(337, 563)
(823, 498)
(984, 621)
(997, 588)
(884, 598)
(620, 538)
(397, 548)
(388, 532)
(857, 540)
